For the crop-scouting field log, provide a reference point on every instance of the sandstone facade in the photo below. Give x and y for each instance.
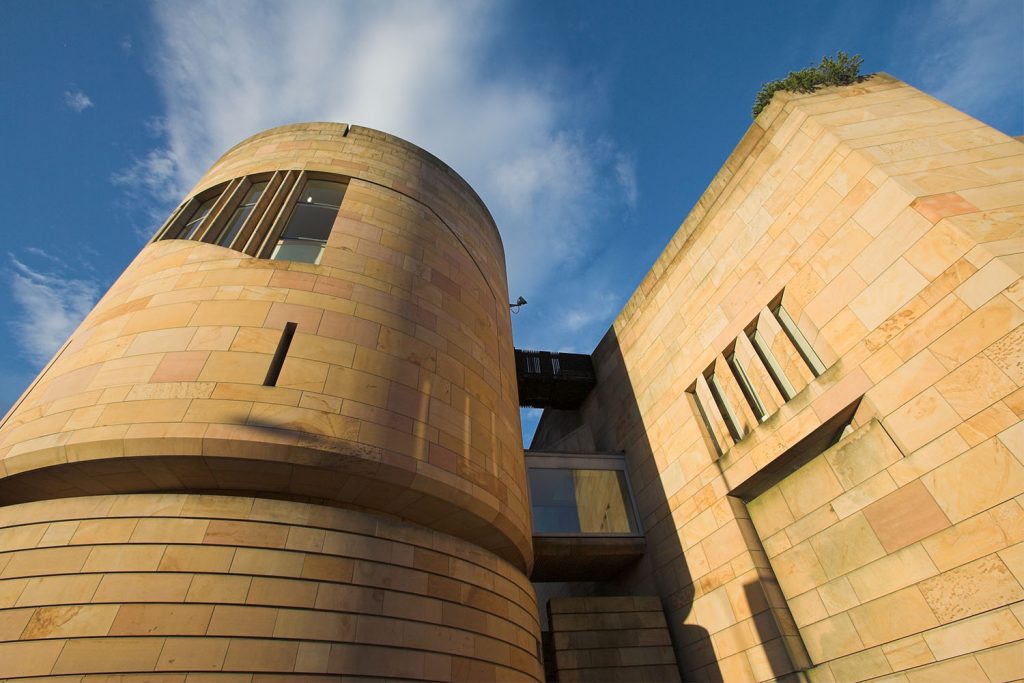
(843, 501)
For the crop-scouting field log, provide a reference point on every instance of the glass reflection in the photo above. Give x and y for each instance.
(579, 501)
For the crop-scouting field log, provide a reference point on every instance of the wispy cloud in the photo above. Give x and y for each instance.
(76, 100)
(962, 50)
(51, 306)
(430, 72)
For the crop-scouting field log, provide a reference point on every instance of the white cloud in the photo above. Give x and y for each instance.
(76, 100)
(430, 72)
(962, 50)
(51, 304)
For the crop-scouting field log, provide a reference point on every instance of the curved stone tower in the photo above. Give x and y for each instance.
(286, 442)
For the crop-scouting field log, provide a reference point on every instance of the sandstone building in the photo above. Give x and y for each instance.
(285, 445)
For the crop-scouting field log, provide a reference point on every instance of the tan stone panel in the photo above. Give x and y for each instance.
(193, 654)
(975, 587)
(89, 655)
(30, 658)
(847, 545)
(1002, 663)
(218, 589)
(974, 634)
(798, 569)
(920, 420)
(974, 386)
(863, 494)
(1008, 354)
(993, 320)
(49, 590)
(229, 366)
(769, 512)
(810, 487)
(906, 382)
(908, 652)
(894, 616)
(69, 621)
(163, 620)
(887, 293)
(160, 341)
(981, 478)
(962, 669)
(861, 665)
(831, 638)
(892, 572)
(196, 558)
(238, 313)
(133, 587)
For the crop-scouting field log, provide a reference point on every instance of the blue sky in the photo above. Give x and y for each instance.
(589, 128)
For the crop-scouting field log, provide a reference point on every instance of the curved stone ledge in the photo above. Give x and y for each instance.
(166, 583)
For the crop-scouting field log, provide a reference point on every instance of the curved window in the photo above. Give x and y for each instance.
(309, 226)
(263, 216)
(240, 215)
(189, 230)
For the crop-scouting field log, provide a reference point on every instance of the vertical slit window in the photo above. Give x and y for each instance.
(241, 214)
(731, 421)
(748, 389)
(803, 347)
(196, 221)
(708, 427)
(311, 221)
(771, 364)
(277, 362)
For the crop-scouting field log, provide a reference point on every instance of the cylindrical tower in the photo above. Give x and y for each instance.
(286, 441)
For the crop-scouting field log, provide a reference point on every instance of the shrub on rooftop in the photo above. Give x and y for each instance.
(843, 70)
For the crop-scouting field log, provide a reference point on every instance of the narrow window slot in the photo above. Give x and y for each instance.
(799, 341)
(707, 422)
(747, 388)
(724, 407)
(282, 350)
(771, 364)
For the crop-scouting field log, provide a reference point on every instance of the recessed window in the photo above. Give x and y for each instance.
(309, 226)
(579, 499)
(189, 230)
(747, 388)
(803, 347)
(240, 215)
(724, 407)
(772, 365)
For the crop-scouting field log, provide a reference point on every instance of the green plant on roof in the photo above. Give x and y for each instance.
(843, 70)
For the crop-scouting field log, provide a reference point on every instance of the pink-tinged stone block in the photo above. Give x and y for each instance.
(938, 206)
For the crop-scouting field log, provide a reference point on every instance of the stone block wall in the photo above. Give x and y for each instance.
(890, 228)
(160, 587)
(611, 639)
(396, 397)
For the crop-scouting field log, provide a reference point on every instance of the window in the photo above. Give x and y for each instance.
(747, 388)
(189, 230)
(309, 226)
(241, 214)
(799, 340)
(772, 365)
(579, 495)
(724, 407)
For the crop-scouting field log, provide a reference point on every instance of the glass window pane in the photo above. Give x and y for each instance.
(311, 221)
(237, 221)
(196, 221)
(601, 502)
(298, 250)
(322, 192)
(799, 341)
(554, 500)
